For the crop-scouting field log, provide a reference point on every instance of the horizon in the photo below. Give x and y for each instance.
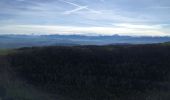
(79, 17)
(84, 35)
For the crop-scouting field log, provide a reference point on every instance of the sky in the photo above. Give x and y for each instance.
(86, 17)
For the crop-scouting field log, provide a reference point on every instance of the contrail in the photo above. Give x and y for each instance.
(75, 10)
(79, 7)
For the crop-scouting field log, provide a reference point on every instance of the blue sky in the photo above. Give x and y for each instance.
(87, 17)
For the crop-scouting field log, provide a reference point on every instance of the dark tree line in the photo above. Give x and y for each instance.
(94, 71)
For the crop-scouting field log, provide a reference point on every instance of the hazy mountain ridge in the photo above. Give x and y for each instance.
(16, 41)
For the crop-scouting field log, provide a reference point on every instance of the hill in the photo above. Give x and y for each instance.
(119, 72)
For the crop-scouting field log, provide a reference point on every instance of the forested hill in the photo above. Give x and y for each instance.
(121, 72)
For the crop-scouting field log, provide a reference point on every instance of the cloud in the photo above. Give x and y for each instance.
(58, 29)
(86, 16)
(160, 7)
(138, 26)
(102, 0)
(20, 0)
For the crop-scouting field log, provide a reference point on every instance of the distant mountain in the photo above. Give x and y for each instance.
(16, 41)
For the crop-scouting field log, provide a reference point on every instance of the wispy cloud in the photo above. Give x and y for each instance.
(138, 26)
(160, 7)
(102, 0)
(58, 29)
(20, 0)
(130, 17)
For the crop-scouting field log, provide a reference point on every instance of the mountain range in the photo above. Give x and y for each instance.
(17, 41)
